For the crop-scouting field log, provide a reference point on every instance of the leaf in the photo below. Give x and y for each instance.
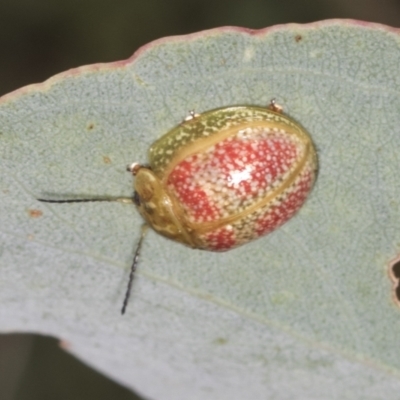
(304, 313)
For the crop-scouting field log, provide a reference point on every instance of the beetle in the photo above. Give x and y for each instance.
(222, 178)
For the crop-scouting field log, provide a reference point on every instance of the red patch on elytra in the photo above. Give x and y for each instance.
(192, 196)
(230, 174)
(278, 215)
(261, 160)
(220, 240)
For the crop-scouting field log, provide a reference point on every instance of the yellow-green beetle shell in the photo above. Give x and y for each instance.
(225, 177)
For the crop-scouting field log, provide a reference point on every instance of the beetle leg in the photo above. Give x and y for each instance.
(274, 106)
(192, 115)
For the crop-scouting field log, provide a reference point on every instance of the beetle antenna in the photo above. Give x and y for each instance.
(87, 200)
(133, 268)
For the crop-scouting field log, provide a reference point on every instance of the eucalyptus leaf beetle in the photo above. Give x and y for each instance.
(222, 178)
(225, 177)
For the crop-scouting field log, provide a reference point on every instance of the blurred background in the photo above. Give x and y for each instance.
(43, 37)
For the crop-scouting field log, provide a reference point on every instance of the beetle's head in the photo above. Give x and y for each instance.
(157, 207)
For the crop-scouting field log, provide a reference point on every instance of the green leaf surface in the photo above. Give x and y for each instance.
(304, 313)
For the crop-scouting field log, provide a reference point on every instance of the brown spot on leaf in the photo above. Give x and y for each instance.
(221, 341)
(33, 213)
(90, 126)
(107, 160)
(298, 38)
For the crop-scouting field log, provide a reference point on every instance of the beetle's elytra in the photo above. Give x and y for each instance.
(225, 177)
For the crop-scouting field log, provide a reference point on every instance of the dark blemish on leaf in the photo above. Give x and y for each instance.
(106, 160)
(33, 213)
(298, 38)
(90, 126)
(395, 276)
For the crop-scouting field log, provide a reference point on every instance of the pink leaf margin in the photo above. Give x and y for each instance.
(101, 67)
